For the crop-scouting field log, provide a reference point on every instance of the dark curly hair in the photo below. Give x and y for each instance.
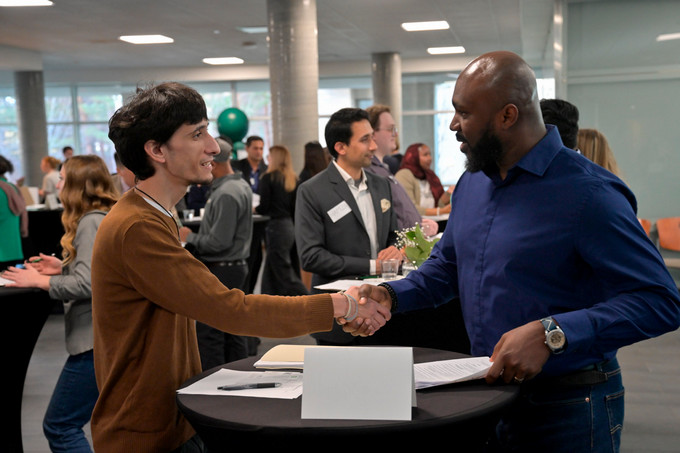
(153, 113)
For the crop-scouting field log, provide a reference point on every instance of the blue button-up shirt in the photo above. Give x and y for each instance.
(557, 237)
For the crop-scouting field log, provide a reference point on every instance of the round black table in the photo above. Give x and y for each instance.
(26, 309)
(463, 415)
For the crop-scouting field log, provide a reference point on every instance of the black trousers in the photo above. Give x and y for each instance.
(214, 346)
(255, 258)
(281, 275)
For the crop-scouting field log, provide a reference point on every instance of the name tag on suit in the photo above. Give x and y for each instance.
(339, 211)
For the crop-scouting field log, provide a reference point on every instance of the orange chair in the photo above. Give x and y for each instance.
(669, 233)
(646, 225)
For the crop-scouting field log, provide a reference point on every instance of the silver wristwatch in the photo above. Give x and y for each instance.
(554, 336)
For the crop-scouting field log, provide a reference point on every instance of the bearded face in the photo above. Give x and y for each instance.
(483, 155)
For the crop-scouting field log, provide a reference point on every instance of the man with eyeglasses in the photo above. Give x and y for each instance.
(385, 135)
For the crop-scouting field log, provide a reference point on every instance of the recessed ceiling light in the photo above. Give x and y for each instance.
(7, 3)
(146, 39)
(425, 26)
(223, 60)
(668, 37)
(253, 30)
(445, 50)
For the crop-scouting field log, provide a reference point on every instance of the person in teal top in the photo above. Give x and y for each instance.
(11, 208)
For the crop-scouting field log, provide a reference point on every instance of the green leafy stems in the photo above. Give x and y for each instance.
(415, 245)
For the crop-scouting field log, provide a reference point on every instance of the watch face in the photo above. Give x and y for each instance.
(555, 339)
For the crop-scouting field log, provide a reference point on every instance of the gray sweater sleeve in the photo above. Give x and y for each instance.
(75, 283)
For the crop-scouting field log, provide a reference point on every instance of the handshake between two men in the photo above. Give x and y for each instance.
(368, 309)
(364, 316)
(519, 354)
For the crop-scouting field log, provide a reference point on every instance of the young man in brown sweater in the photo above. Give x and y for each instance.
(148, 290)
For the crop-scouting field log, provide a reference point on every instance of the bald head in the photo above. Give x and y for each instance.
(505, 78)
(498, 114)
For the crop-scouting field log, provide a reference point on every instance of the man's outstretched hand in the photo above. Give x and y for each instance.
(369, 295)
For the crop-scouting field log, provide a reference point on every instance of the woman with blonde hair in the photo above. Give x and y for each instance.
(49, 165)
(86, 190)
(278, 188)
(593, 145)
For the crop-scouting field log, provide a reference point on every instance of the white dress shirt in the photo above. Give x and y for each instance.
(365, 202)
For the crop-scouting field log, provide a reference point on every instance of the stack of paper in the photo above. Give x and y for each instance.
(444, 372)
(429, 374)
(4, 281)
(285, 356)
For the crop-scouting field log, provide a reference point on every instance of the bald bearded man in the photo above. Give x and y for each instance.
(552, 267)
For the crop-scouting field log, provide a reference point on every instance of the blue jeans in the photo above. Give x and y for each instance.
(580, 419)
(71, 405)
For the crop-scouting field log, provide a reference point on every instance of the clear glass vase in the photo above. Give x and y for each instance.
(407, 266)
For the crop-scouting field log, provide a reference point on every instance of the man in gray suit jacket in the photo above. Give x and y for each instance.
(345, 225)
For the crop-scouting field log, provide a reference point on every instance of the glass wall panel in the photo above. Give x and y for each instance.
(333, 99)
(216, 103)
(8, 107)
(60, 135)
(449, 162)
(98, 103)
(256, 104)
(217, 96)
(58, 104)
(9, 149)
(330, 101)
(94, 140)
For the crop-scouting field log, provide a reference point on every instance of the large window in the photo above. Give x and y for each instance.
(9, 133)
(61, 119)
(78, 115)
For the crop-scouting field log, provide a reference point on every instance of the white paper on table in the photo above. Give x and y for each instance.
(443, 372)
(291, 384)
(4, 281)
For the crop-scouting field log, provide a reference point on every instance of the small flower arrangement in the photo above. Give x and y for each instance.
(415, 245)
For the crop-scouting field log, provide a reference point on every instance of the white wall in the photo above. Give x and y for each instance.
(627, 85)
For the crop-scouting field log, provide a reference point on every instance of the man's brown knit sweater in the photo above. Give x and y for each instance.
(147, 290)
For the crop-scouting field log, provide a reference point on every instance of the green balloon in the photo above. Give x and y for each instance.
(233, 123)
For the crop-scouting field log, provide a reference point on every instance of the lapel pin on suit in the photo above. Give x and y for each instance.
(385, 204)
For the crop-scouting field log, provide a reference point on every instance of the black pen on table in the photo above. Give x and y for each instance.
(259, 385)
